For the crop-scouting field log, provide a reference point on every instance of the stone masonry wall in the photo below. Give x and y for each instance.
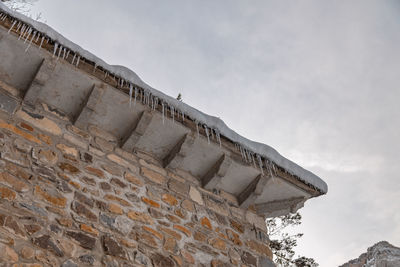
(73, 198)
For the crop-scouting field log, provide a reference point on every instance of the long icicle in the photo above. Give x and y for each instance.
(30, 43)
(73, 59)
(171, 108)
(260, 164)
(130, 94)
(22, 31)
(254, 162)
(59, 52)
(29, 34)
(208, 137)
(163, 115)
(136, 93)
(19, 25)
(217, 134)
(55, 49)
(41, 42)
(12, 26)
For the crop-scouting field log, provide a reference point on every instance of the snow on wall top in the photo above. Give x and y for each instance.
(198, 116)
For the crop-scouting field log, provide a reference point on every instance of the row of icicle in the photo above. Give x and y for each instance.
(29, 35)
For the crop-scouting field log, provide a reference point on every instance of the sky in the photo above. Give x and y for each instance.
(317, 80)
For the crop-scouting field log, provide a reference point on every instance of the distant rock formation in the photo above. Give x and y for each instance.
(381, 254)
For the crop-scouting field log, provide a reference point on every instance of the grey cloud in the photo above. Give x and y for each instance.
(317, 80)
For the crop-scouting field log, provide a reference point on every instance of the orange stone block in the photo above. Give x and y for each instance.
(19, 132)
(89, 229)
(130, 178)
(120, 200)
(218, 243)
(57, 201)
(95, 172)
(206, 223)
(171, 233)
(150, 202)
(140, 217)
(153, 176)
(6, 193)
(169, 199)
(13, 182)
(153, 232)
(116, 209)
(183, 229)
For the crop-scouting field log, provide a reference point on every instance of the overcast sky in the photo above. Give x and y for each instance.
(317, 80)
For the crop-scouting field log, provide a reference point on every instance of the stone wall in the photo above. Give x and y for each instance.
(73, 198)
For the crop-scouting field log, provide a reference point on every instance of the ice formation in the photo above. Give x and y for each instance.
(248, 149)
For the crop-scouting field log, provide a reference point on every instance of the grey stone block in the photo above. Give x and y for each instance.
(7, 103)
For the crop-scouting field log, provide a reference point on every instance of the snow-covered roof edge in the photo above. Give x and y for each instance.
(196, 115)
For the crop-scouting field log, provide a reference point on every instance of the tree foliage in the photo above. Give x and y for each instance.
(282, 244)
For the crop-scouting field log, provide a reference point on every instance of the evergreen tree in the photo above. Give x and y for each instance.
(282, 244)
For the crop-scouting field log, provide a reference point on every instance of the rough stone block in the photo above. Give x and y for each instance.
(8, 103)
(40, 122)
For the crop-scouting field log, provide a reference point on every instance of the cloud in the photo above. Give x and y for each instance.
(317, 80)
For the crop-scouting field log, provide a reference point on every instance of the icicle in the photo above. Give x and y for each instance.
(146, 98)
(22, 31)
(260, 164)
(30, 43)
(268, 165)
(68, 53)
(77, 61)
(130, 95)
(59, 52)
(208, 137)
(218, 138)
(212, 135)
(18, 27)
(171, 108)
(12, 26)
(94, 69)
(55, 49)
(183, 116)
(162, 104)
(245, 155)
(105, 75)
(37, 38)
(155, 103)
(64, 52)
(273, 167)
(28, 34)
(254, 162)
(136, 93)
(73, 59)
(197, 128)
(41, 42)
